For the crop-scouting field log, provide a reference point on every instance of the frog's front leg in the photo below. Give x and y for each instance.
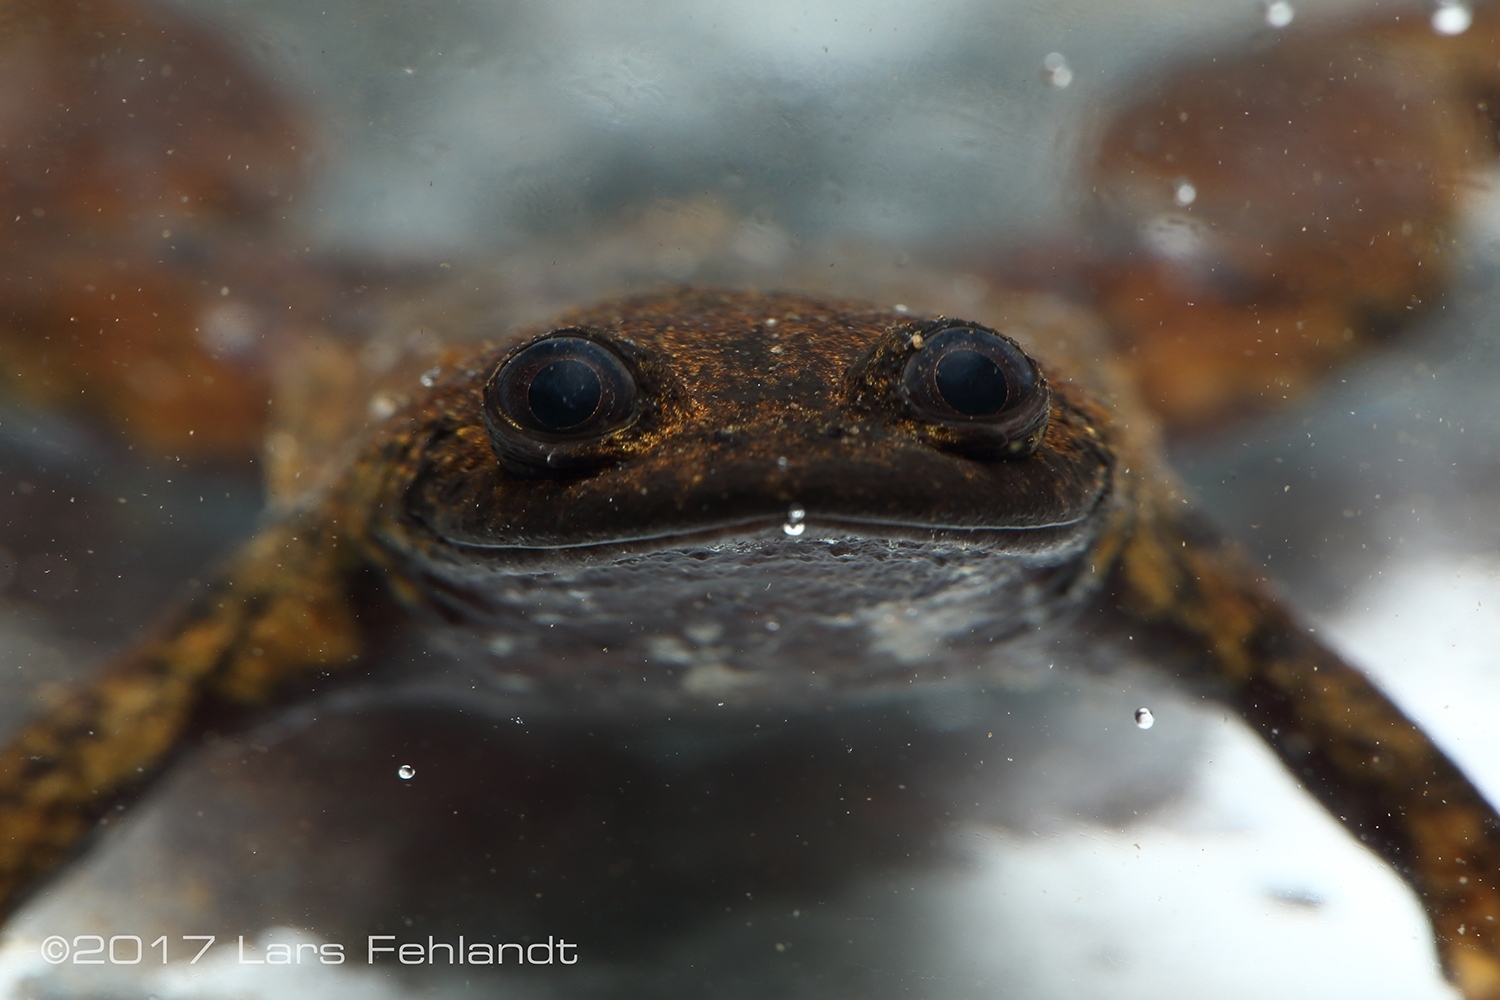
(1203, 612)
(279, 610)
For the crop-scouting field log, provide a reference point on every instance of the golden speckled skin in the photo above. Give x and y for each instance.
(742, 418)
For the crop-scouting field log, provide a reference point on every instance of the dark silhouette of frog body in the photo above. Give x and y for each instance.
(706, 500)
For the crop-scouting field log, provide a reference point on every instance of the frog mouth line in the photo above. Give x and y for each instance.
(1032, 534)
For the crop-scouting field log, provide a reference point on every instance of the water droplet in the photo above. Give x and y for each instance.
(406, 772)
(1451, 19)
(1056, 71)
(1279, 13)
(795, 516)
(1184, 193)
(1144, 719)
(430, 376)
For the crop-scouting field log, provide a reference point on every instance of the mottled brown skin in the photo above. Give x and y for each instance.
(1299, 260)
(1214, 624)
(1327, 168)
(426, 509)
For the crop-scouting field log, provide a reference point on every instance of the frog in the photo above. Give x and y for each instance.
(584, 489)
(558, 508)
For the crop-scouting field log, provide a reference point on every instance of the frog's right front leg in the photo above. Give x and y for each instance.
(1200, 608)
(280, 609)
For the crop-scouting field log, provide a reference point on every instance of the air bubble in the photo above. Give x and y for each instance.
(795, 516)
(1279, 13)
(1452, 19)
(1144, 719)
(1056, 71)
(406, 772)
(1184, 194)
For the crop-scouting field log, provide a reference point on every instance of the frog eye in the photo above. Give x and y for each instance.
(973, 391)
(967, 374)
(547, 403)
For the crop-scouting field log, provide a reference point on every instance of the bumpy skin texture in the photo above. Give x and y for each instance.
(1090, 519)
(147, 168)
(112, 274)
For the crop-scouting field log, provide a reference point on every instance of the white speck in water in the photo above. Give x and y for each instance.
(1184, 193)
(406, 772)
(517, 720)
(795, 516)
(1279, 13)
(382, 405)
(1056, 71)
(1452, 18)
(782, 463)
(1144, 719)
(430, 376)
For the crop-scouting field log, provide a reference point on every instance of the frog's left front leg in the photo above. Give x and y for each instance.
(279, 610)
(1196, 605)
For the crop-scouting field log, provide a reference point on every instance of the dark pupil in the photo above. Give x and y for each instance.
(564, 394)
(971, 383)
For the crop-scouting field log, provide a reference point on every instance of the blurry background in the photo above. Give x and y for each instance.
(1175, 861)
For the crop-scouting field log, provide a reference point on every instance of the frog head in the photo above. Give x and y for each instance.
(696, 414)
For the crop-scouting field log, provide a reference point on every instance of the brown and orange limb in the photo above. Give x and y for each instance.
(1207, 617)
(279, 612)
